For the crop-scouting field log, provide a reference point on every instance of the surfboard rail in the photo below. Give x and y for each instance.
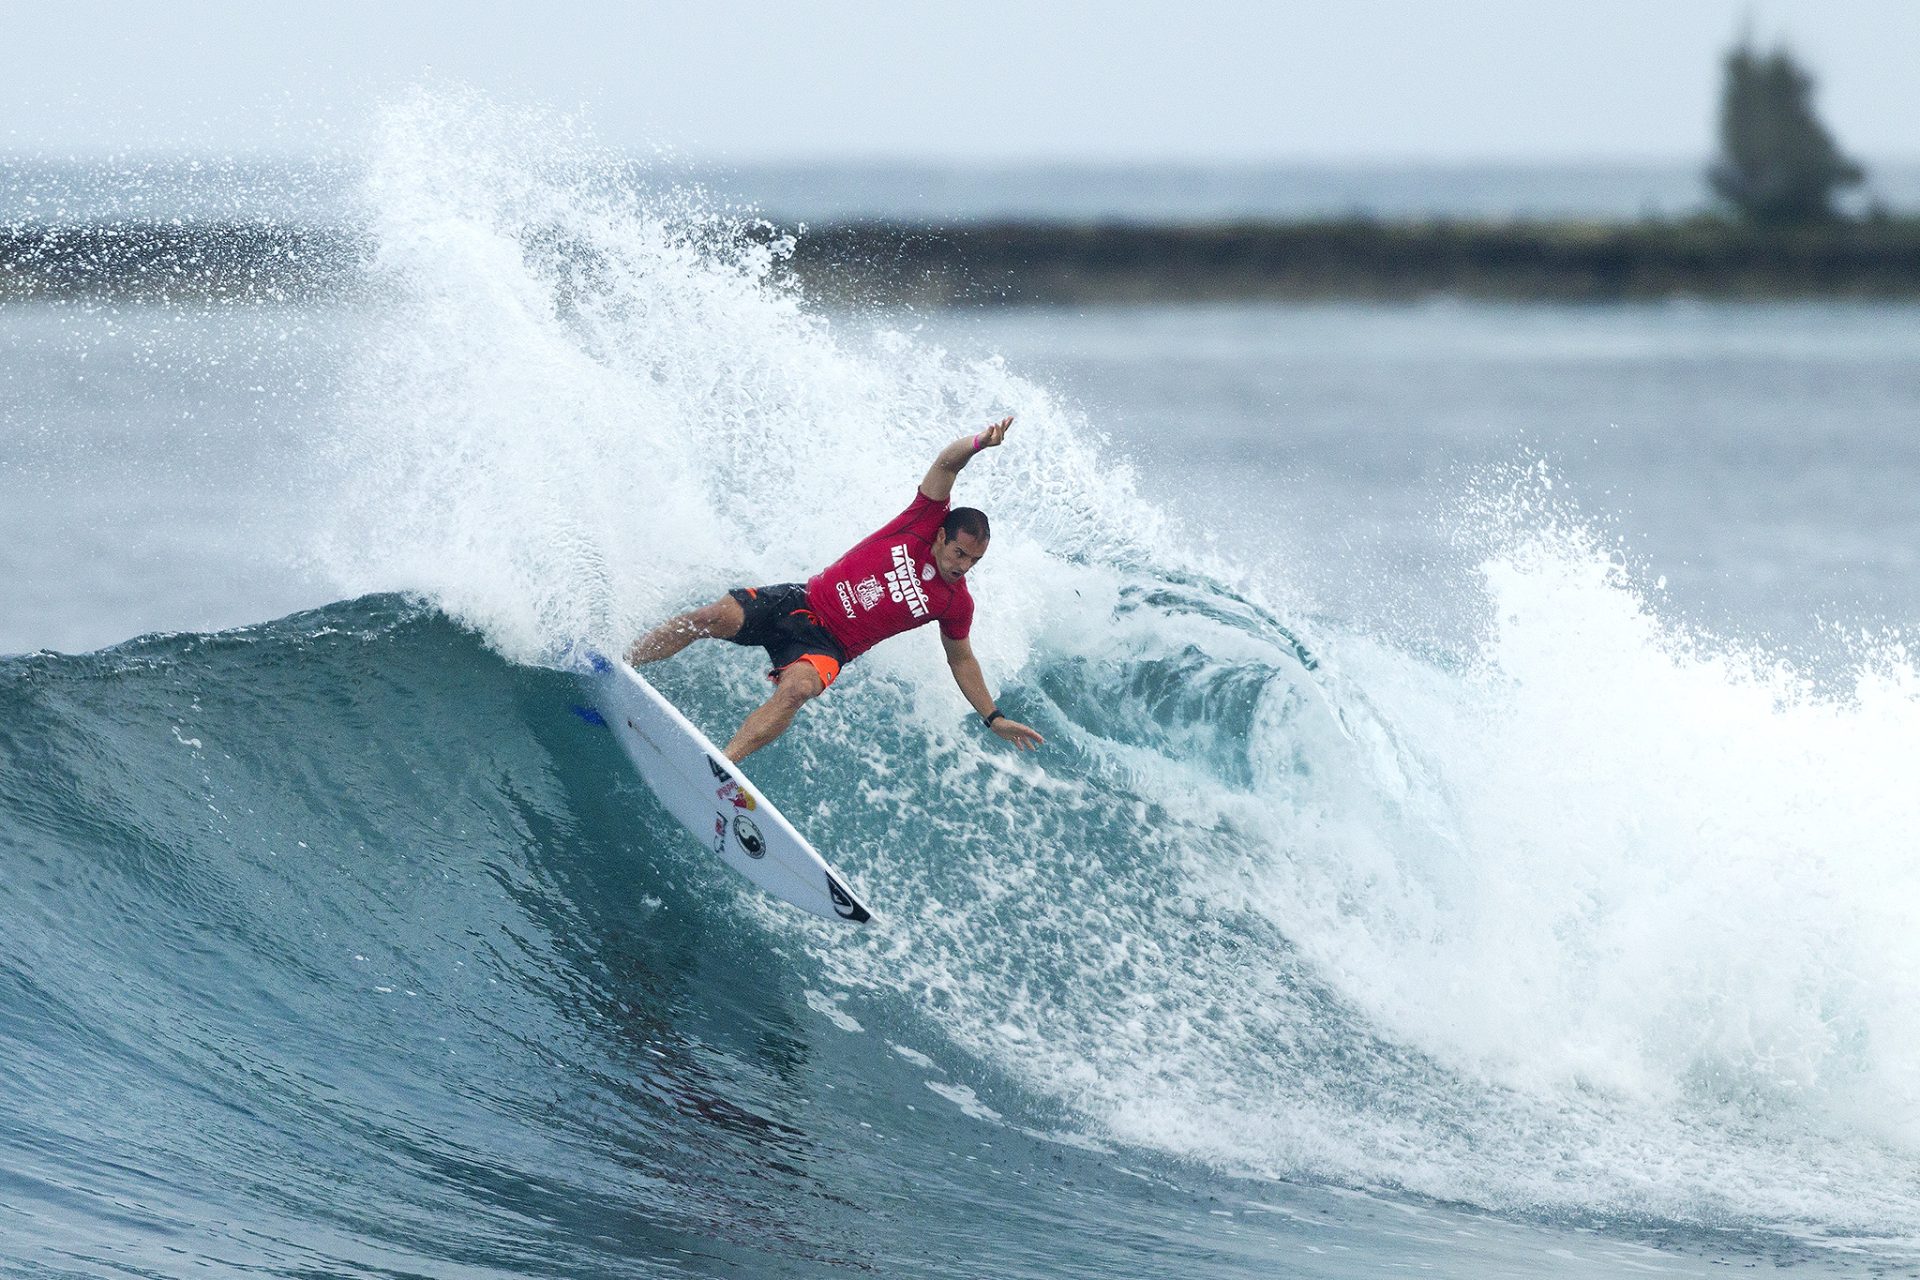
(710, 796)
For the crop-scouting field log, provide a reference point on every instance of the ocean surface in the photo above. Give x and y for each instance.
(1475, 834)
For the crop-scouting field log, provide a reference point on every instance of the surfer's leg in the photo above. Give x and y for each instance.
(798, 682)
(721, 619)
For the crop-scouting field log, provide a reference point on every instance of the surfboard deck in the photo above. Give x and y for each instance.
(709, 795)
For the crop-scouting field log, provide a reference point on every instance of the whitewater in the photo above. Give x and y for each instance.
(1541, 932)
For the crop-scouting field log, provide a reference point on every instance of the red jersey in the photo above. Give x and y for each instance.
(887, 584)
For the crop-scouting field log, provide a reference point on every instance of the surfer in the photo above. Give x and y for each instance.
(909, 572)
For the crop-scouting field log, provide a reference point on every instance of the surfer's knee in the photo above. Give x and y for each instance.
(722, 619)
(799, 683)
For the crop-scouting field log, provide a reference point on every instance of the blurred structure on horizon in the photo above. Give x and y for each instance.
(1778, 164)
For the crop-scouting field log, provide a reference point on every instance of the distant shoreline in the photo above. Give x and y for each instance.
(1052, 263)
(1360, 258)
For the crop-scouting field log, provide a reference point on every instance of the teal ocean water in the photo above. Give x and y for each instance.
(1474, 833)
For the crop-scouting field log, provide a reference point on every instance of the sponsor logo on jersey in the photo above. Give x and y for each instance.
(902, 584)
(870, 591)
(926, 573)
(845, 591)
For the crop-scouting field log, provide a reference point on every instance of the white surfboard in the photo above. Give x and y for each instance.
(712, 798)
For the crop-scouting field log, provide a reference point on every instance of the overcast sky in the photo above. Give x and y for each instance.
(985, 80)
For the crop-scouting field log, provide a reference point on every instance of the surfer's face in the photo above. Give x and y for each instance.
(954, 556)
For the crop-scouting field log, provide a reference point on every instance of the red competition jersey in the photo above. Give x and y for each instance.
(887, 584)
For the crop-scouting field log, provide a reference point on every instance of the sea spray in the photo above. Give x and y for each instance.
(585, 404)
(1604, 918)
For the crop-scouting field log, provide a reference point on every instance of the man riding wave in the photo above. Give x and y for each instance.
(909, 572)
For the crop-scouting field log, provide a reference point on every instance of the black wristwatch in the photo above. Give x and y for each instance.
(993, 715)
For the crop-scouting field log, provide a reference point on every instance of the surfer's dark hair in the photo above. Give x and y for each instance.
(968, 520)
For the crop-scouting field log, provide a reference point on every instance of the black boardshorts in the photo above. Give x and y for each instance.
(779, 621)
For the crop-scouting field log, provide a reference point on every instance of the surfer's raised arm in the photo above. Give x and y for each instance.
(946, 468)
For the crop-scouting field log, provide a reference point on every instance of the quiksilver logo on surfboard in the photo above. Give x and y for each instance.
(843, 904)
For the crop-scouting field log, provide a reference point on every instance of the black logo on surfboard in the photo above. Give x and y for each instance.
(843, 904)
(748, 835)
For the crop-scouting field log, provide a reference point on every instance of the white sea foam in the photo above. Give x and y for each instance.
(914, 1056)
(579, 408)
(965, 1099)
(824, 1005)
(1608, 917)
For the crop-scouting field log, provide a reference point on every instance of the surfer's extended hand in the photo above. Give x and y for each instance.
(1018, 734)
(946, 468)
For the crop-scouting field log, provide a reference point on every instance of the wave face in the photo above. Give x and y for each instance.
(340, 942)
